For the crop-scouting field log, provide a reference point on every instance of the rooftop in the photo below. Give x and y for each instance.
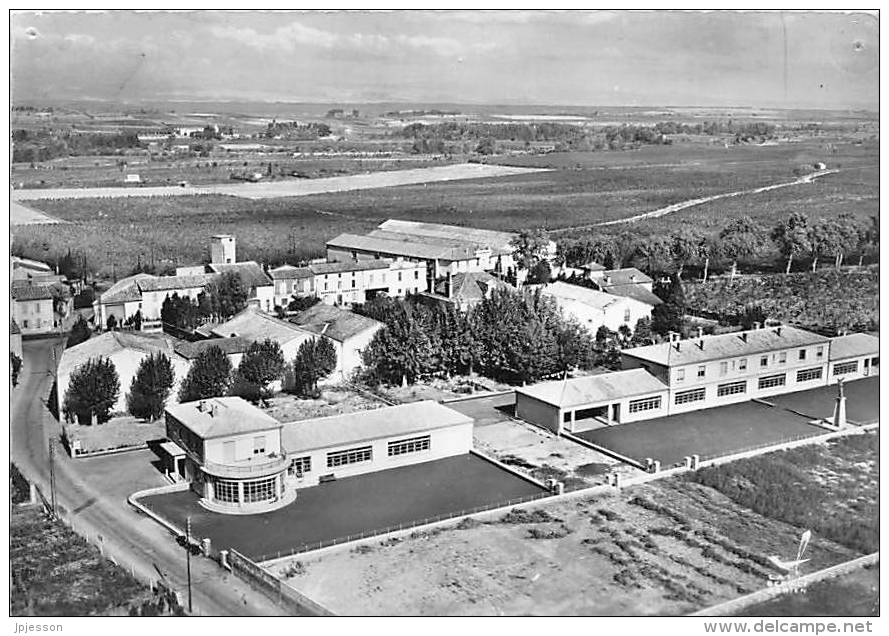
(562, 291)
(853, 345)
(594, 388)
(229, 346)
(335, 267)
(729, 345)
(334, 322)
(289, 272)
(492, 238)
(221, 417)
(253, 324)
(470, 286)
(29, 290)
(172, 283)
(112, 342)
(27, 263)
(623, 276)
(402, 245)
(636, 292)
(251, 272)
(350, 428)
(593, 266)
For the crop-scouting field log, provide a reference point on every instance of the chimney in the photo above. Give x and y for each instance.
(744, 336)
(678, 345)
(212, 410)
(701, 344)
(201, 405)
(607, 279)
(632, 278)
(778, 331)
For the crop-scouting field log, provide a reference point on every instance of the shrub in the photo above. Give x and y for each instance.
(92, 391)
(15, 367)
(151, 387)
(209, 376)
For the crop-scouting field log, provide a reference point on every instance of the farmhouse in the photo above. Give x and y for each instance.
(351, 333)
(594, 309)
(580, 403)
(240, 460)
(467, 290)
(233, 348)
(40, 307)
(444, 248)
(254, 325)
(125, 350)
(25, 269)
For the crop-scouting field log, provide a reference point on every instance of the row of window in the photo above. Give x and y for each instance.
(260, 490)
(351, 456)
(300, 465)
(645, 404)
(845, 367)
(741, 363)
(413, 445)
(732, 388)
(735, 388)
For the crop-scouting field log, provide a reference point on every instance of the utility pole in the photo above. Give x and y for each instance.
(52, 475)
(188, 557)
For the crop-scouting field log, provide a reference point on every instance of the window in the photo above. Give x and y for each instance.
(416, 274)
(25, 324)
(782, 357)
(371, 279)
(351, 456)
(875, 362)
(399, 277)
(770, 381)
(732, 388)
(802, 354)
(259, 445)
(300, 465)
(845, 367)
(723, 368)
(645, 404)
(680, 375)
(807, 375)
(413, 445)
(702, 371)
(742, 364)
(260, 490)
(325, 286)
(626, 315)
(226, 491)
(819, 352)
(684, 397)
(764, 361)
(567, 416)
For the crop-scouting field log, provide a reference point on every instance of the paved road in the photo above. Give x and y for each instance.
(127, 535)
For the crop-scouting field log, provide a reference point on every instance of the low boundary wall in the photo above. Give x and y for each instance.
(264, 581)
(735, 605)
(507, 468)
(133, 500)
(601, 449)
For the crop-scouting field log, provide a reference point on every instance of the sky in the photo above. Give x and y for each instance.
(794, 60)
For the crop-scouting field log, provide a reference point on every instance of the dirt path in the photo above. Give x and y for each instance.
(683, 205)
(290, 187)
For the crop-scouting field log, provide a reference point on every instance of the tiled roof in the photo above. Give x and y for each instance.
(124, 290)
(172, 283)
(389, 422)
(591, 389)
(251, 272)
(624, 276)
(27, 263)
(636, 292)
(289, 272)
(333, 322)
(494, 239)
(255, 325)
(110, 343)
(470, 286)
(562, 291)
(349, 266)
(222, 417)
(853, 346)
(729, 345)
(400, 247)
(27, 290)
(229, 346)
(593, 266)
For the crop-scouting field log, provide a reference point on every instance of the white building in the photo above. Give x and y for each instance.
(594, 309)
(254, 325)
(40, 307)
(853, 356)
(240, 460)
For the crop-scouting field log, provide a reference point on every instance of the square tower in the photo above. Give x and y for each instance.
(222, 249)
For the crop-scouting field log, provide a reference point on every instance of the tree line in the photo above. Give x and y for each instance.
(223, 298)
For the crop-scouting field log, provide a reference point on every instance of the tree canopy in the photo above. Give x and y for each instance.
(151, 387)
(210, 376)
(315, 359)
(93, 389)
(262, 364)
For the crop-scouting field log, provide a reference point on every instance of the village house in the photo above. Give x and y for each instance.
(239, 460)
(25, 269)
(40, 307)
(125, 350)
(351, 333)
(595, 309)
(233, 348)
(465, 291)
(254, 325)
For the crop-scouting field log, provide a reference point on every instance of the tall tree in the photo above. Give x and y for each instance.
(624, 247)
(93, 389)
(685, 247)
(871, 239)
(820, 237)
(708, 249)
(530, 247)
(209, 376)
(850, 234)
(15, 368)
(791, 236)
(315, 359)
(229, 295)
(670, 315)
(262, 364)
(740, 239)
(151, 387)
(653, 254)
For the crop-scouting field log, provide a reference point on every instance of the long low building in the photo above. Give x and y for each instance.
(699, 373)
(241, 461)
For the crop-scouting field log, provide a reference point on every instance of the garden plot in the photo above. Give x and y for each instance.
(665, 548)
(289, 408)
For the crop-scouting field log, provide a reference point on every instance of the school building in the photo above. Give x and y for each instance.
(242, 461)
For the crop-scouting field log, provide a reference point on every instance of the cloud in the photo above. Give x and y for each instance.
(286, 38)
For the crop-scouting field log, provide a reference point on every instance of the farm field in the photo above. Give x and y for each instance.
(824, 300)
(854, 594)
(54, 572)
(664, 548)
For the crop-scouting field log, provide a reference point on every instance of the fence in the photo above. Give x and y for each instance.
(269, 584)
(310, 547)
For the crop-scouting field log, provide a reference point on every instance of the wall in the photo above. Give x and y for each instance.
(34, 316)
(536, 412)
(349, 352)
(445, 442)
(861, 372)
(213, 448)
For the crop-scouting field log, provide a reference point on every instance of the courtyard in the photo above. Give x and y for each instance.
(368, 503)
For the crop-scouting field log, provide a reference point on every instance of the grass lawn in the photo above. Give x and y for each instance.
(708, 433)
(353, 505)
(119, 432)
